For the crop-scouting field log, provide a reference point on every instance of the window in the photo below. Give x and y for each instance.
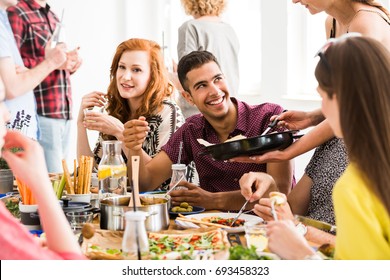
(306, 34)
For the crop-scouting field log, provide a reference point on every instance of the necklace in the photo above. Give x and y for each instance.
(370, 11)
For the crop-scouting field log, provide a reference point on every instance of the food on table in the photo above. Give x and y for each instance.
(88, 230)
(94, 189)
(224, 221)
(12, 204)
(152, 200)
(327, 250)
(58, 182)
(237, 137)
(184, 207)
(278, 198)
(207, 144)
(26, 195)
(111, 170)
(240, 252)
(160, 243)
(95, 252)
(170, 244)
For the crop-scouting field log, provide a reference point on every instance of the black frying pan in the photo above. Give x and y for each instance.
(251, 146)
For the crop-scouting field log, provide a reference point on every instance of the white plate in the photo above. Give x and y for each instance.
(246, 217)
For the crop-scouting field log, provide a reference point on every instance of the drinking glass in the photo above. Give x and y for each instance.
(256, 235)
(78, 219)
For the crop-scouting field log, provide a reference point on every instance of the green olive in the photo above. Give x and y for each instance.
(175, 209)
(184, 204)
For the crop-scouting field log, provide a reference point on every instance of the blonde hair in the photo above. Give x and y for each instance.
(204, 7)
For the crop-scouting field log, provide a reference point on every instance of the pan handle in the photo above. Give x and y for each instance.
(297, 136)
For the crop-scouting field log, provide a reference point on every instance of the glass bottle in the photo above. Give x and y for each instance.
(178, 174)
(112, 170)
(59, 35)
(135, 236)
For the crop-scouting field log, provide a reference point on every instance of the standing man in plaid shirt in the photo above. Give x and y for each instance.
(33, 23)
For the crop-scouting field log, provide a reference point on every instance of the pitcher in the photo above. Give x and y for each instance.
(112, 170)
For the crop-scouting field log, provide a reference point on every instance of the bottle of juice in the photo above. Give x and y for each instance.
(112, 170)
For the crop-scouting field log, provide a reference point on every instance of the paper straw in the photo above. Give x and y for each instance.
(180, 149)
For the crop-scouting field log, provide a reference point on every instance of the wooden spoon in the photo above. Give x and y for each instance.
(135, 181)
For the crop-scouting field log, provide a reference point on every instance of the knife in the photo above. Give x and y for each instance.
(315, 223)
(239, 213)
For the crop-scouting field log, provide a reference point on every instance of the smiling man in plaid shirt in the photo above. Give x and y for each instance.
(33, 23)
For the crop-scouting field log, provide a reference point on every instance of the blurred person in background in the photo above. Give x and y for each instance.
(17, 243)
(207, 31)
(33, 24)
(20, 81)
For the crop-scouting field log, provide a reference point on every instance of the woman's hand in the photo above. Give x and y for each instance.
(135, 133)
(298, 120)
(259, 180)
(263, 210)
(285, 241)
(103, 123)
(91, 100)
(273, 156)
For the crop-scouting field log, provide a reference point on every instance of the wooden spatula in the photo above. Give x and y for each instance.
(135, 181)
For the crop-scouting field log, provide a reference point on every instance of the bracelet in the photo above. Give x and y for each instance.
(301, 228)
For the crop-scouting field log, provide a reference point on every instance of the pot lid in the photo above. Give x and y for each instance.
(69, 206)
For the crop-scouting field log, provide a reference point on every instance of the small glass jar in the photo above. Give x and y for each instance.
(112, 170)
(135, 238)
(178, 174)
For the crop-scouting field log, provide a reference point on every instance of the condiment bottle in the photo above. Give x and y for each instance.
(135, 238)
(178, 174)
(112, 170)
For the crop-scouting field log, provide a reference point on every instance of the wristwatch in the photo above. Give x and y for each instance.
(302, 229)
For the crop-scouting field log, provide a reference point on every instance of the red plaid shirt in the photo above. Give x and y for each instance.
(33, 26)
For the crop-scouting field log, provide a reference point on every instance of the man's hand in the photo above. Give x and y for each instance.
(195, 196)
(55, 56)
(73, 60)
(135, 133)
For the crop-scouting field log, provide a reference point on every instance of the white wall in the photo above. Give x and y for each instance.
(98, 26)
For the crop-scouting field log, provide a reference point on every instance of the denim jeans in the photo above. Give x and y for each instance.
(55, 140)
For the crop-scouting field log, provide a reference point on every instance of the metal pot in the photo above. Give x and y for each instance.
(251, 146)
(6, 180)
(112, 210)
